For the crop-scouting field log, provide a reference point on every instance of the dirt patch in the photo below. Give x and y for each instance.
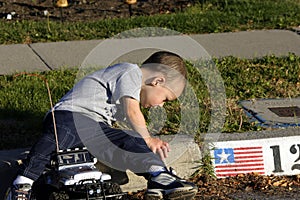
(86, 10)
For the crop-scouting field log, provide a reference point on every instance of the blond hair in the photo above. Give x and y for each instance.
(169, 59)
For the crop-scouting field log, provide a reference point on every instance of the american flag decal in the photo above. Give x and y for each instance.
(242, 160)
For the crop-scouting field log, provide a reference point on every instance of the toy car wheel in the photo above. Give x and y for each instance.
(58, 196)
(114, 189)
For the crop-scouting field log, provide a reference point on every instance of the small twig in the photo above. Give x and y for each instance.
(241, 120)
(130, 10)
(61, 15)
(51, 103)
(48, 22)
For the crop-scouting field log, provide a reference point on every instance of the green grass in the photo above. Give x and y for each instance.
(204, 17)
(23, 103)
(24, 99)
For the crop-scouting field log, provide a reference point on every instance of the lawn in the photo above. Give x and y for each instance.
(24, 99)
(206, 16)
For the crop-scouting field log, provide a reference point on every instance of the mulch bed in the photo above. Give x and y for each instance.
(84, 10)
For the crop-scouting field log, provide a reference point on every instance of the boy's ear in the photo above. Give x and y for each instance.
(158, 81)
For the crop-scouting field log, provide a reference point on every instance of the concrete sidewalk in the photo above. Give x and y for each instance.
(49, 56)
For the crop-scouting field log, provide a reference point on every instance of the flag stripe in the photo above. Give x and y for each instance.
(241, 157)
(237, 170)
(247, 148)
(245, 165)
(247, 152)
(246, 161)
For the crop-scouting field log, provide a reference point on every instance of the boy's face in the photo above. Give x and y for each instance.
(157, 94)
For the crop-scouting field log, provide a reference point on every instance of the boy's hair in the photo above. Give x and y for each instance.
(172, 60)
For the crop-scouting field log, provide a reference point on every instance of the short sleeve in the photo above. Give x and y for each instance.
(129, 84)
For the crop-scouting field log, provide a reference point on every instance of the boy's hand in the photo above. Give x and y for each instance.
(138, 123)
(158, 146)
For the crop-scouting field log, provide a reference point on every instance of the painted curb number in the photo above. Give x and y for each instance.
(294, 149)
(268, 156)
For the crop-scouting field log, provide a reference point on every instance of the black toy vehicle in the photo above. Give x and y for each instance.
(72, 175)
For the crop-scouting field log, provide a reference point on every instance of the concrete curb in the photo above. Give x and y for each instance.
(272, 152)
(215, 137)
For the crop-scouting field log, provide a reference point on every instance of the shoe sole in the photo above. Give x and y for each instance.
(176, 195)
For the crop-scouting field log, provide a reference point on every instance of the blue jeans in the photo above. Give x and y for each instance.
(119, 149)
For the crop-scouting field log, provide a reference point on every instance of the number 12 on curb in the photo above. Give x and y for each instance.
(268, 156)
(294, 150)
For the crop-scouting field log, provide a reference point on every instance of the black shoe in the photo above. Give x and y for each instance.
(168, 186)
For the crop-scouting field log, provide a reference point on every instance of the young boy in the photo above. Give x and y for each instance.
(85, 115)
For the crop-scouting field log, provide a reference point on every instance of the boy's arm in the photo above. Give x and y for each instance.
(137, 121)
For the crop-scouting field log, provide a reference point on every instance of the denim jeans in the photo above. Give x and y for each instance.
(119, 149)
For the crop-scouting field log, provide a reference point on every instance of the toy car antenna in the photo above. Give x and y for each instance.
(51, 104)
(53, 117)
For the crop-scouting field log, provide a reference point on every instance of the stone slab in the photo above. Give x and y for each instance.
(19, 58)
(274, 113)
(69, 54)
(249, 44)
(286, 132)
